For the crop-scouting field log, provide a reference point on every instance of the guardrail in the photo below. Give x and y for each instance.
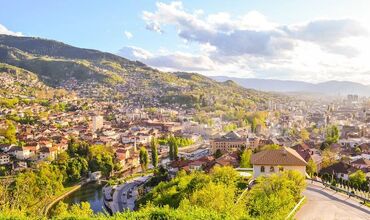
(341, 190)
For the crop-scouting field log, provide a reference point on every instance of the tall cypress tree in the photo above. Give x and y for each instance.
(175, 151)
(154, 148)
(143, 156)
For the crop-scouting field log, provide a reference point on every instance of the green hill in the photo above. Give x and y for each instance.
(96, 74)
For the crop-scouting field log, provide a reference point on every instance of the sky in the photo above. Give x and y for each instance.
(314, 41)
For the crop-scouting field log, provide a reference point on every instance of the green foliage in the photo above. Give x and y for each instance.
(245, 159)
(332, 134)
(154, 149)
(304, 135)
(218, 153)
(311, 167)
(256, 119)
(358, 178)
(230, 127)
(8, 103)
(179, 141)
(100, 159)
(216, 192)
(144, 159)
(76, 168)
(81, 211)
(328, 158)
(271, 147)
(274, 196)
(9, 133)
(174, 143)
(32, 188)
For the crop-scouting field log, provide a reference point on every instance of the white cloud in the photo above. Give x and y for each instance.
(134, 53)
(251, 45)
(128, 35)
(164, 60)
(4, 30)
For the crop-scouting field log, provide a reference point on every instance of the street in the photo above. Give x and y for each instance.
(126, 194)
(327, 204)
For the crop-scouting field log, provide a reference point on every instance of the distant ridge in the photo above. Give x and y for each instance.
(273, 85)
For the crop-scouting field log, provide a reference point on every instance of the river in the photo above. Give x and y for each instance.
(91, 193)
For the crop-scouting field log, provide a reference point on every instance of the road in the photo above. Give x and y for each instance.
(327, 204)
(122, 200)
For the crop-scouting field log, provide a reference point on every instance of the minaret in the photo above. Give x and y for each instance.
(135, 149)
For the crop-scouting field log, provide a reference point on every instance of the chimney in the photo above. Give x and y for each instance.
(284, 151)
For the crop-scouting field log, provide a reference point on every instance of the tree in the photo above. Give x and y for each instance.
(76, 168)
(154, 148)
(245, 159)
(10, 132)
(271, 147)
(101, 159)
(332, 134)
(324, 145)
(143, 156)
(218, 153)
(274, 196)
(176, 151)
(305, 135)
(328, 158)
(171, 146)
(311, 167)
(358, 178)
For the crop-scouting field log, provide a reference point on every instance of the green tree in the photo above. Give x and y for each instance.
(273, 197)
(328, 158)
(154, 149)
(10, 132)
(245, 159)
(311, 167)
(100, 158)
(332, 134)
(175, 151)
(218, 153)
(171, 145)
(143, 156)
(305, 135)
(76, 168)
(358, 178)
(271, 147)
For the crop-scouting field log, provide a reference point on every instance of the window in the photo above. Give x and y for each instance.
(281, 169)
(262, 169)
(272, 169)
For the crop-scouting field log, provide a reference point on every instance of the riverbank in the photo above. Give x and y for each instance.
(67, 192)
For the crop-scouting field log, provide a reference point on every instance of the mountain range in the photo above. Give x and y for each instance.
(341, 88)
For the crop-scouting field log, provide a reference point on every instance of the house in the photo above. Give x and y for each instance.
(228, 160)
(4, 158)
(361, 163)
(22, 153)
(272, 161)
(48, 152)
(340, 170)
(308, 153)
(5, 147)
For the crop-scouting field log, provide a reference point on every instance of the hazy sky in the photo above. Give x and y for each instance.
(292, 39)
